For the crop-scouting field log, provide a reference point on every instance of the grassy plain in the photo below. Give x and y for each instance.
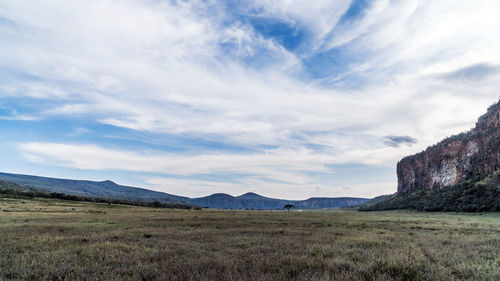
(44, 239)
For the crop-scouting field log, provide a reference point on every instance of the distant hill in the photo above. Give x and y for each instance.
(15, 190)
(111, 190)
(258, 202)
(103, 189)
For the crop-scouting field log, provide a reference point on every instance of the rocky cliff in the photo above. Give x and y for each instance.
(454, 159)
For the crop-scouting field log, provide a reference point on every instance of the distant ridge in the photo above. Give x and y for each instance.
(109, 189)
(258, 202)
(104, 189)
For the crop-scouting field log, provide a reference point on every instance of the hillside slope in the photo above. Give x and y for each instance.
(103, 189)
(18, 191)
(374, 201)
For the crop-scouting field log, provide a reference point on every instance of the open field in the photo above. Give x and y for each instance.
(46, 239)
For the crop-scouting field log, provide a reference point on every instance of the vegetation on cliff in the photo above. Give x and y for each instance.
(478, 194)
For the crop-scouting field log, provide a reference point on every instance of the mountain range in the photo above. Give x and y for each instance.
(255, 201)
(111, 190)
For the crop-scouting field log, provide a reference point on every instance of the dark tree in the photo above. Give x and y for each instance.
(288, 207)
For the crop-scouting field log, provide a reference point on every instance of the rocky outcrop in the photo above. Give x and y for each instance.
(454, 159)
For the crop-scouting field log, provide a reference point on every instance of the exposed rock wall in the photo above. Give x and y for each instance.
(454, 159)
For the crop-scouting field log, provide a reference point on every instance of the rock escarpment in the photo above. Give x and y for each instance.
(454, 159)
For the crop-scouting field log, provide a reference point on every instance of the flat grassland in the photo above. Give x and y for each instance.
(43, 239)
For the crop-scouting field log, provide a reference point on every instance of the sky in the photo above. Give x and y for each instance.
(287, 98)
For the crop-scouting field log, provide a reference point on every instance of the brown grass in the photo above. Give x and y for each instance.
(60, 240)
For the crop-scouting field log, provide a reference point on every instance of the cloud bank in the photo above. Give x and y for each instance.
(269, 91)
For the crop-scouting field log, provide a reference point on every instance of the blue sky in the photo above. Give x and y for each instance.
(289, 99)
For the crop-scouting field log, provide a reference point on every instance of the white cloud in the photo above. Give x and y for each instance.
(280, 164)
(271, 171)
(20, 117)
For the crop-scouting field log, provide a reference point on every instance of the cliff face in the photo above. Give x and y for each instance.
(454, 159)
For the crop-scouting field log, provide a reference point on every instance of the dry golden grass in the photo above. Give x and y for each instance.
(61, 240)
